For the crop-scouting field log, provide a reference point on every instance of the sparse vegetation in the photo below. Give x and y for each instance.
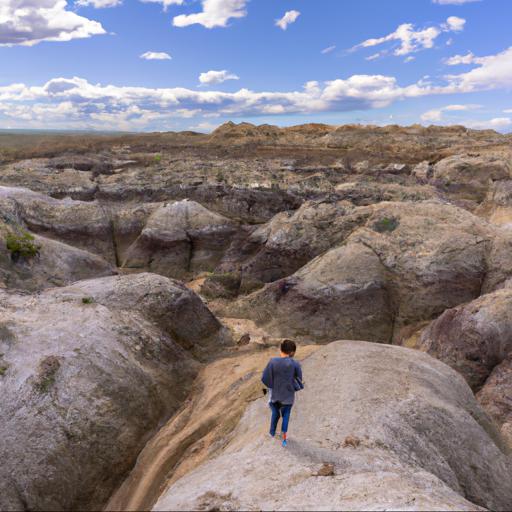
(3, 369)
(220, 177)
(46, 374)
(157, 159)
(87, 300)
(386, 225)
(21, 244)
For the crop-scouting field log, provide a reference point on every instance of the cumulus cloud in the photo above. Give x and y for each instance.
(215, 13)
(493, 72)
(99, 4)
(412, 40)
(454, 24)
(288, 18)
(213, 77)
(77, 103)
(28, 22)
(457, 60)
(155, 56)
(436, 115)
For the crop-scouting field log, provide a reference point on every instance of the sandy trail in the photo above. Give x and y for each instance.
(203, 426)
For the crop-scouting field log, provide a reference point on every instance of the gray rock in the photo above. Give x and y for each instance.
(425, 443)
(88, 373)
(180, 239)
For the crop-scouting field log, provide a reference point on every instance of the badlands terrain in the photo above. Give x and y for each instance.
(146, 279)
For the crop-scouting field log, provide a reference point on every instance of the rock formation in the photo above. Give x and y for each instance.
(121, 387)
(425, 443)
(88, 373)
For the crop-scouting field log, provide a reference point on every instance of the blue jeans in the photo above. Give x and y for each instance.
(279, 410)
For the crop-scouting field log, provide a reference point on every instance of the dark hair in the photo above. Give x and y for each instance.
(288, 347)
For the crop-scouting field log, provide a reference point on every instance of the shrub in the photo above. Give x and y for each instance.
(21, 245)
(46, 374)
(87, 300)
(157, 159)
(386, 225)
(3, 369)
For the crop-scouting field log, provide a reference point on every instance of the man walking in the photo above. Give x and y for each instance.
(283, 377)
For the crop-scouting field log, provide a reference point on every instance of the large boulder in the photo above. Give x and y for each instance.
(292, 239)
(496, 397)
(476, 340)
(470, 176)
(343, 291)
(429, 256)
(180, 239)
(88, 373)
(473, 338)
(399, 429)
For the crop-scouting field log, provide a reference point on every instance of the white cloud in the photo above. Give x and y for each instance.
(436, 115)
(432, 115)
(498, 123)
(215, 13)
(459, 108)
(454, 2)
(409, 59)
(329, 49)
(412, 40)
(288, 18)
(99, 4)
(77, 103)
(28, 22)
(213, 77)
(165, 3)
(457, 60)
(493, 72)
(375, 56)
(155, 56)
(454, 24)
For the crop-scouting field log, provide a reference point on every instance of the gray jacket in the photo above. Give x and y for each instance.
(280, 376)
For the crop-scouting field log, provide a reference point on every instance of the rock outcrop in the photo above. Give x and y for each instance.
(88, 373)
(401, 430)
(396, 235)
(425, 257)
(476, 340)
(180, 239)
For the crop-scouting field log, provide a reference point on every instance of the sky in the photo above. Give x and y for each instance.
(165, 65)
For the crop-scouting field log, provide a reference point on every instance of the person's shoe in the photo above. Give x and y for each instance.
(284, 444)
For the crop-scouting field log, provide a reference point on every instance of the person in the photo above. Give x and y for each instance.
(283, 377)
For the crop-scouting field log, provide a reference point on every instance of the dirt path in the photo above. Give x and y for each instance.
(203, 426)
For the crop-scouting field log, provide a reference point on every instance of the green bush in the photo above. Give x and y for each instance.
(21, 244)
(87, 300)
(386, 225)
(3, 369)
(157, 159)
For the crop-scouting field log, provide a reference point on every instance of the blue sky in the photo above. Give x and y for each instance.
(193, 64)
